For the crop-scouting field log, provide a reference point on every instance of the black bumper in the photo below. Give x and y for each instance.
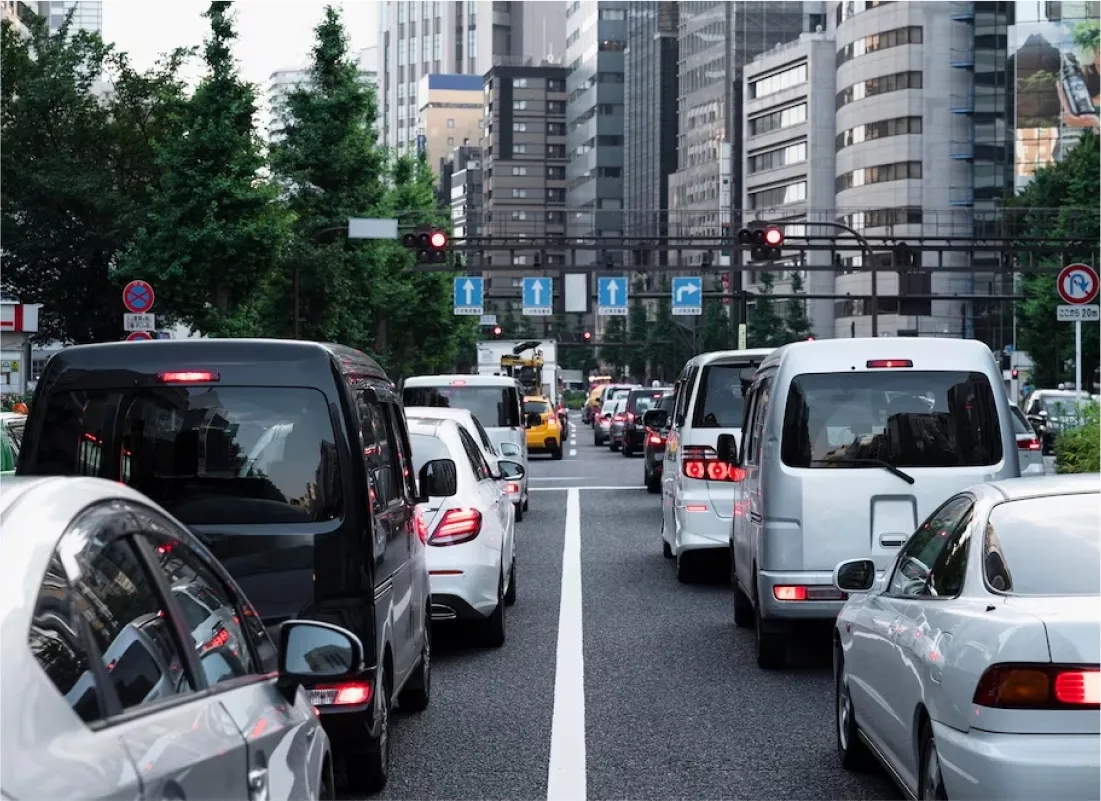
(451, 608)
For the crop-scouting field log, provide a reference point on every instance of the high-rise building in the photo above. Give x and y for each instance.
(87, 16)
(419, 38)
(283, 82)
(461, 179)
(596, 38)
(449, 115)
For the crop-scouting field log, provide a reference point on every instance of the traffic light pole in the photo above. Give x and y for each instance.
(864, 246)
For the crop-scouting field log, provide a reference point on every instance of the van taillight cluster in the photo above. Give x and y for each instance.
(656, 439)
(703, 463)
(1039, 686)
(1028, 444)
(889, 363)
(456, 527)
(189, 377)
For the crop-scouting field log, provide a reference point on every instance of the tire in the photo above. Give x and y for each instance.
(525, 504)
(327, 790)
(687, 567)
(510, 596)
(369, 774)
(556, 453)
(493, 627)
(743, 609)
(851, 750)
(930, 776)
(613, 445)
(653, 483)
(628, 451)
(418, 690)
(771, 647)
(666, 551)
(520, 507)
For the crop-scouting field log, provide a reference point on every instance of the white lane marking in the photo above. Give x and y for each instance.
(570, 489)
(566, 775)
(573, 451)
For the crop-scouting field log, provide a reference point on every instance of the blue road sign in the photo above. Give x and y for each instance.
(687, 295)
(538, 296)
(611, 295)
(469, 296)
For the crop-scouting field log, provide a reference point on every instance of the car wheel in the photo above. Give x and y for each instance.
(556, 453)
(418, 690)
(525, 504)
(771, 647)
(613, 445)
(653, 482)
(930, 779)
(520, 507)
(375, 770)
(666, 551)
(627, 451)
(687, 567)
(743, 608)
(510, 596)
(327, 790)
(851, 750)
(493, 627)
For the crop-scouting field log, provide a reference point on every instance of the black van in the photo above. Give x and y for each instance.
(291, 461)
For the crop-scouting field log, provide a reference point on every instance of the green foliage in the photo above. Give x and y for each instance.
(1078, 450)
(661, 339)
(795, 318)
(215, 230)
(614, 350)
(764, 328)
(715, 331)
(75, 168)
(636, 332)
(1070, 186)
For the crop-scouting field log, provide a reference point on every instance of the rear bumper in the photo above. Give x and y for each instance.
(773, 609)
(697, 524)
(634, 438)
(983, 765)
(473, 593)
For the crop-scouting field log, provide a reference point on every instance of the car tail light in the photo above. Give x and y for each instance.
(656, 439)
(217, 641)
(512, 487)
(188, 377)
(618, 418)
(790, 593)
(346, 694)
(457, 526)
(703, 463)
(630, 417)
(889, 363)
(422, 528)
(1039, 686)
(1028, 444)
(458, 382)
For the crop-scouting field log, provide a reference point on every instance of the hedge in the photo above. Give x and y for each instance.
(1078, 450)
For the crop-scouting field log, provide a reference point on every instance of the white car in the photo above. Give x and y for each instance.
(971, 669)
(469, 527)
(111, 702)
(1029, 451)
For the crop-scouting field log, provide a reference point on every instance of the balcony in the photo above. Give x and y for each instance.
(963, 58)
(962, 104)
(963, 12)
(962, 149)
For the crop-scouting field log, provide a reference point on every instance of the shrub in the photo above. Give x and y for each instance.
(1078, 450)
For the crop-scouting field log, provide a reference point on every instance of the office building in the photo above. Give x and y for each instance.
(453, 38)
(461, 180)
(87, 14)
(449, 115)
(596, 38)
(285, 81)
(18, 14)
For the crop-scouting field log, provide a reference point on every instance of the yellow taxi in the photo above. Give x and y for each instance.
(543, 430)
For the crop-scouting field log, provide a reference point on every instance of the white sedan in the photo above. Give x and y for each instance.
(970, 670)
(469, 527)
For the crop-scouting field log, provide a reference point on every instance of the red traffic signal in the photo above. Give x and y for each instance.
(496, 330)
(774, 237)
(588, 335)
(431, 245)
(438, 239)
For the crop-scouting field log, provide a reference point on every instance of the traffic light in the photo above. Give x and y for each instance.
(430, 244)
(765, 240)
(496, 330)
(588, 335)
(1016, 373)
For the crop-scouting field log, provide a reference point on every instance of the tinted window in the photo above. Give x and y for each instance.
(909, 419)
(483, 435)
(721, 399)
(427, 448)
(667, 403)
(536, 407)
(1020, 422)
(57, 644)
(641, 402)
(387, 474)
(210, 455)
(922, 551)
(1044, 546)
(477, 461)
(135, 674)
(496, 407)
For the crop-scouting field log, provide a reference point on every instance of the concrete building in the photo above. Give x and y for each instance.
(285, 81)
(596, 38)
(787, 162)
(449, 115)
(18, 14)
(18, 323)
(462, 177)
(88, 14)
(453, 38)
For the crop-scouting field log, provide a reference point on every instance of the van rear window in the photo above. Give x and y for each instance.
(906, 418)
(495, 407)
(210, 456)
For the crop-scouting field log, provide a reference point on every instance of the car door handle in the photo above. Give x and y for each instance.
(258, 784)
(891, 540)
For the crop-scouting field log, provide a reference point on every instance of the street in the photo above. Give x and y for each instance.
(674, 703)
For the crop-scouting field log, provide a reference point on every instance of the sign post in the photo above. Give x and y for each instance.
(687, 295)
(469, 296)
(538, 297)
(138, 298)
(611, 296)
(1077, 286)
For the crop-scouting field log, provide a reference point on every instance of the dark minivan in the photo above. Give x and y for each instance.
(291, 461)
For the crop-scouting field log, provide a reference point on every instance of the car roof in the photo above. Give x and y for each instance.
(724, 355)
(439, 413)
(462, 379)
(535, 399)
(429, 427)
(845, 354)
(1015, 489)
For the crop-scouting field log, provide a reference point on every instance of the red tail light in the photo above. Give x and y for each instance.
(888, 363)
(458, 382)
(457, 526)
(347, 694)
(630, 417)
(618, 418)
(188, 377)
(1039, 686)
(422, 529)
(512, 487)
(790, 593)
(1028, 444)
(703, 463)
(217, 641)
(656, 439)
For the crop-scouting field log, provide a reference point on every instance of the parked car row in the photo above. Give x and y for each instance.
(195, 502)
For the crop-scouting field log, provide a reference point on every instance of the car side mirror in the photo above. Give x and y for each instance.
(728, 449)
(854, 575)
(510, 469)
(438, 479)
(510, 449)
(311, 651)
(655, 418)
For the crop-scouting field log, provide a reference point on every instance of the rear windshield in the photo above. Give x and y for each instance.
(218, 455)
(427, 448)
(496, 407)
(1044, 546)
(667, 402)
(908, 419)
(721, 397)
(641, 401)
(536, 407)
(1020, 422)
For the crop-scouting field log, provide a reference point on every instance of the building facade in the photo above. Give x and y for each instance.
(285, 81)
(87, 14)
(462, 184)
(18, 14)
(449, 115)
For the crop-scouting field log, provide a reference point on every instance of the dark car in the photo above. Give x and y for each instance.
(639, 402)
(656, 427)
(291, 461)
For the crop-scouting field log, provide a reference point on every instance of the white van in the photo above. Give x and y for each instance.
(849, 444)
(697, 491)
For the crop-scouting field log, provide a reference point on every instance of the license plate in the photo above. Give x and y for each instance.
(322, 697)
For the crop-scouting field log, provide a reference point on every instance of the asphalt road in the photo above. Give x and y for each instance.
(673, 704)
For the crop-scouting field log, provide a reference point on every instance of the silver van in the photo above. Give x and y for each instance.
(496, 401)
(849, 444)
(697, 489)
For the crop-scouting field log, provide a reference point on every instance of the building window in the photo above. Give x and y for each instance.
(780, 157)
(617, 14)
(612, 46)
(471, 44)
(556, 151)
(556, 107)
(556, 129)
(851, 8)
(899, 126)
(519, 105)
(519, 149)
(556, 173)
(401, 49)
(556, 217)
(882, 218)
(519, 83)
(519, 170)
(426, 49)
(556, 195)
(518, 216)
(519, 193)
(451, 123)
(879, 174)
(774, 121)
(880, 41)
(778, 195)
(556, 85)
(778, 81)
(436, 52)
(895, 82)
(401, 12)
(450, 140)
(519, 127)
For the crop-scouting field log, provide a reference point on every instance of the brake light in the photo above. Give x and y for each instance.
(790, 593)
(348, 694)
(422, 529)
(1039, 686)
(458, 382)
(457, 526)
(630, 417)
(888, 363)
(618, 418)
(657, 439)
(512, 487)
(703, 463)
(1028, 444)
(188, 377)
(217, 641)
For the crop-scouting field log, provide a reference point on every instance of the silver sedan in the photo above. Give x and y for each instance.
(112, 687)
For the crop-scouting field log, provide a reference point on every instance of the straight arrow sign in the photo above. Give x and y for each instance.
(613, 290)
(537, 290)
(468, 287)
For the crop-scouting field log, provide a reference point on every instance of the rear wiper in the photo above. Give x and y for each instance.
(890, 468)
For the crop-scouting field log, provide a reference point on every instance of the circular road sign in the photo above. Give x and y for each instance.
(139, 336)
(1077, 284)
(138, 297)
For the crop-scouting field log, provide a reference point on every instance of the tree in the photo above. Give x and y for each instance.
(1060, 202)
(764, 327)
(795, 318)
(715, 333)
(215, 230)
(613, 351)
(76, 163)
(661, 342)
(636, 333)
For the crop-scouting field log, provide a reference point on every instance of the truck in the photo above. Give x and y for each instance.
(534, 363)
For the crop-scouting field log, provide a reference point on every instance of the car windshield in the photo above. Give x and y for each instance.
(721, 397)
(427, 448)
(641, 402)
(1045, 546)
(209, 455)
(905, 418)
(495, 406)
